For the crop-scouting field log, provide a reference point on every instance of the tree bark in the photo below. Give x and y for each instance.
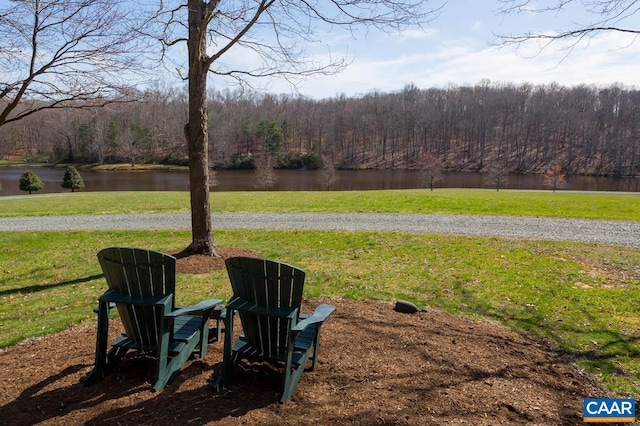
(197, 134)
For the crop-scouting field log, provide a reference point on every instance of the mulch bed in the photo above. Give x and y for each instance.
(377, 367)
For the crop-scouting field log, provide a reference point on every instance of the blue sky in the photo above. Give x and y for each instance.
(459, 48)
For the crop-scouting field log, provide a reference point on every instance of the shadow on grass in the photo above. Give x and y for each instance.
(603, 350)
(43, 287)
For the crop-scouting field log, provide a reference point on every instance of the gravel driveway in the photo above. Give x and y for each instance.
(592, 231)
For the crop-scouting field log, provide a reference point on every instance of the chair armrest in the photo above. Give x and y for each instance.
(319, 315)
(114, 296)
(110, 306)
(239, 304)
(204, 305)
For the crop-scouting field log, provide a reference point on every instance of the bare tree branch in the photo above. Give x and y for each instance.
(66, 54)
(277, 34)
(607, 16)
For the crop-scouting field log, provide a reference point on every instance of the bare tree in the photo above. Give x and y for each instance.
(213, 178)
(497, 175)
(430, 170)
(65, 54)
(327, 175)
(273, 36)
(606, 16)
(264, 176)
(554, 177)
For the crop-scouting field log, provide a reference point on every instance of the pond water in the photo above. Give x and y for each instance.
(293, 180)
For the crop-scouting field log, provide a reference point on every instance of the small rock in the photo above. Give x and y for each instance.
(405, 307)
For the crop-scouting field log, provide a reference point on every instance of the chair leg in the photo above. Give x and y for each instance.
(316, 349)
(292, 375)
(220, 316)
(114, 356)
(229, 358)
(204, 332)
(101, 363)
(167, 371)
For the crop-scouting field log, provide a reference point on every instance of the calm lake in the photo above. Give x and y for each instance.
(293, 180)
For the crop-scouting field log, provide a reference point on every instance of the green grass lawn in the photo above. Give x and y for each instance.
(585, 298)
(588, 205)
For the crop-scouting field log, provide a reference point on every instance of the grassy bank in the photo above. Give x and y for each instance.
(583, 297)
(588, 205)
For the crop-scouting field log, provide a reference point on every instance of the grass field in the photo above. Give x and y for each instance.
(588, 205)
(583, 297)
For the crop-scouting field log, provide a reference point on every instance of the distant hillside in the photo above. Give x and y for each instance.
(523, 128)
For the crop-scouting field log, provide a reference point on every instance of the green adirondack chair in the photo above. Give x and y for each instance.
(267, 296)
(142, 288)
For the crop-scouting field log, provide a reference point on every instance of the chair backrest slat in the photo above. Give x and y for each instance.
(269, 284)
(139, 273)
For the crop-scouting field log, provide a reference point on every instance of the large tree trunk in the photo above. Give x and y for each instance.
(197, 135)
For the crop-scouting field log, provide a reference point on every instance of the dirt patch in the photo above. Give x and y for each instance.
(201, 264)
(377, 367)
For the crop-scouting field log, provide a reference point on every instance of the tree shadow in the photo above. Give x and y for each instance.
(449, 375)
(44, 287)
(602, 354)
(121, 391)
(201, 405)
(49, 401)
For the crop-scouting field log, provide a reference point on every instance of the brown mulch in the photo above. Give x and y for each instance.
(377, 367)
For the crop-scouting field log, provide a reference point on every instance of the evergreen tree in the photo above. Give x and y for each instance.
(272, 135)
(30, 181)
(72, 179)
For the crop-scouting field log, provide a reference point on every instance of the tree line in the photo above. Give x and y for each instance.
(524, 128)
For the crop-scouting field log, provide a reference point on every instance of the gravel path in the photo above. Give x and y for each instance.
(591, 231)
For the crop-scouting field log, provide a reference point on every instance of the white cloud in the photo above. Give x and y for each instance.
(456, 50)
(417, 34)
(601, 62)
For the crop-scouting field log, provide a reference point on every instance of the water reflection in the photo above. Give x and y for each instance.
(292, 180)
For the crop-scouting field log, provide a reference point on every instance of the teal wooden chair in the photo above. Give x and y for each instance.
(267, 296)
(142, 289)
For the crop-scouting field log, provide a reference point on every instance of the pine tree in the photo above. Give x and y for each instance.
(72, 179)
(30, 181)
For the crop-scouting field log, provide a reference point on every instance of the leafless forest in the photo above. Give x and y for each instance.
(523, 128)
